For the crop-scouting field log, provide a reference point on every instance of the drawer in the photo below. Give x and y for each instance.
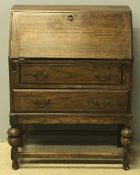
(70, 101)
(97, 73)
(71, 35)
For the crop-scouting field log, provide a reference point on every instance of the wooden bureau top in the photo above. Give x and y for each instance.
(81, 8)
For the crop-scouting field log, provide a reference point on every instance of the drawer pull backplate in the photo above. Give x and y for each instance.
(104, 77)
(40, 76)
(106, 102)
(40, 103)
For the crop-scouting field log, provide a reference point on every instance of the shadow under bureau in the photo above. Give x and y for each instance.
(70, 65)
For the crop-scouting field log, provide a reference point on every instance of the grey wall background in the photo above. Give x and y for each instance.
(5, 6)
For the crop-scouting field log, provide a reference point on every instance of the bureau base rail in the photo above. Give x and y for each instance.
(66, 158)
(70, 155)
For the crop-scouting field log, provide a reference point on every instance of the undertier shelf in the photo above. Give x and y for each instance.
(42, 153)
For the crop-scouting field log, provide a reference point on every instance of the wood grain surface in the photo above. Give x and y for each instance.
(71, 65)
(70, 101)
(68, 73)
(91, 34)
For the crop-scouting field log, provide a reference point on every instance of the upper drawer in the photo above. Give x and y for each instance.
(74, 73)
(93, 34)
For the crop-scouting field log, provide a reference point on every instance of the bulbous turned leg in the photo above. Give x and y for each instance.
(126, 141)
(14, 140)
(119, 128)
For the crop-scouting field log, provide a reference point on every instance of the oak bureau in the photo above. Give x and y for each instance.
(70, 65)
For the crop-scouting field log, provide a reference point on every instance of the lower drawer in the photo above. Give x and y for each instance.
(69, 101)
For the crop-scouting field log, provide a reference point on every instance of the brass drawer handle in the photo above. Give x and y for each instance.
(104, 77)
(40, 75)
(106, 102)
(40, 103)
(70, 18)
